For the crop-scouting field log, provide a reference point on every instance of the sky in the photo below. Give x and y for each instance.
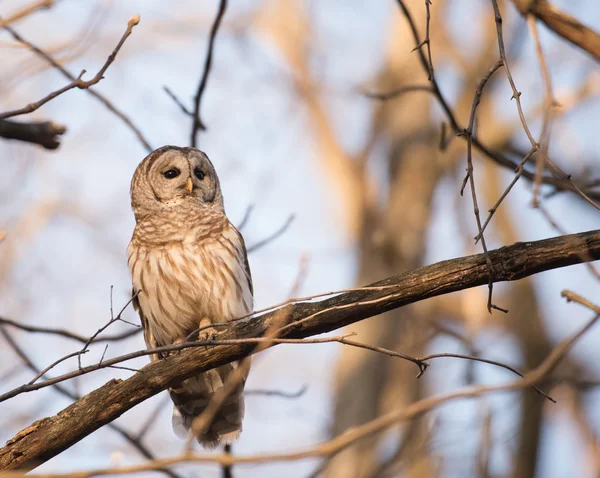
(68, 216)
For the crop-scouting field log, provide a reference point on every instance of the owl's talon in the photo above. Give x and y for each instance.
(175, 352)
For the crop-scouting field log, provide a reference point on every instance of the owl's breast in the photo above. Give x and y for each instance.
(181, 283)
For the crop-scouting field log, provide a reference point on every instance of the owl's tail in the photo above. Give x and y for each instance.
(191, 398)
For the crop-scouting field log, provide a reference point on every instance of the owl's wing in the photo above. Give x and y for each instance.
(148, 335)
(245, 259)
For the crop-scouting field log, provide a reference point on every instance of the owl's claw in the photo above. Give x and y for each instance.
(207, 334)
(176, 342)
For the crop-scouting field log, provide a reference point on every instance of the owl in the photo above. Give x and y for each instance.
(190, 269)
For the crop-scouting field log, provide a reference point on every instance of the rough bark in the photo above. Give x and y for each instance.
(52, 435)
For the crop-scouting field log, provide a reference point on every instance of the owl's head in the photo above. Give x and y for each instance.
(173, 178)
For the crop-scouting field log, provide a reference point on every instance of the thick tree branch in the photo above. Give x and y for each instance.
(562, 24)
(50, 436)
(44, 133)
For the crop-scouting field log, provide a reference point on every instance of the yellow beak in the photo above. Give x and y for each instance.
(189, 186)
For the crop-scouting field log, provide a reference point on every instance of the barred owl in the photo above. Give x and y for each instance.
(190, 269)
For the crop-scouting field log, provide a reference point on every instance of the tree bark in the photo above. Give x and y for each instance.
(50, 436)
(562, 24)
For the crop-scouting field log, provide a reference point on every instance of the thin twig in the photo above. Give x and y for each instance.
(276, 393)
(396, 92)
(562, 182)
(353, 435)
(519, 172)
(135, 441)
(246, 217)
(77, 82)
(110, 363)
(112, 320)
(26, 11)
(470, 177)
(197, 121)
(67, 333)
(516, 95)
(177, 101)
(110, 401)
(279, 232)
(547, 114)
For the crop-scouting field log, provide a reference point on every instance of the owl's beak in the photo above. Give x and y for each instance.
(190, 185)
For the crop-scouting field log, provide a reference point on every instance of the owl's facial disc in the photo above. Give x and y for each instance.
(184, 177)
(173, 177)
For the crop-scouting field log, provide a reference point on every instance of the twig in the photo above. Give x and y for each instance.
(422, 362)
(276, 393)
(136, 442)
(519, 172)
(517, 97)
(151, 420)
(110, 401)
(482, 360)
(112, 320)
(77, 82)
(67, 333)
(110, 363)
(547, 114)
(273, 236)
(26, 11)
(396, 92)
(226, 468)
(427, 40)
(563, 24)
(561, 183)
(470, 177)
(353, 435)
(246, 217)
(197, 121)
(52, 365)
(177, 101)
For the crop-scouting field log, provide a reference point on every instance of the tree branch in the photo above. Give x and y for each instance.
(44, 133)
(562, 24)
(197, 122)
(50, 436)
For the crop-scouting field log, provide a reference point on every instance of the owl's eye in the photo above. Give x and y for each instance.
(172, 173)
(199, 173)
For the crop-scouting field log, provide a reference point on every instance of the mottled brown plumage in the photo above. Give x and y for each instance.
(189, 267)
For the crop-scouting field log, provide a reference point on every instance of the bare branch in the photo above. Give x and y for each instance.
(273, 236)
(177, 101)
(470, 177)
(25, 11)
(67, 333)
(562, 24)
(197, 121)
(31, 447)
(135, 441)
(562, 182)
(77, 82)
(44, 133)
(353, 435)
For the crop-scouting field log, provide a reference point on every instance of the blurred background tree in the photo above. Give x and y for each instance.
(296, 125)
